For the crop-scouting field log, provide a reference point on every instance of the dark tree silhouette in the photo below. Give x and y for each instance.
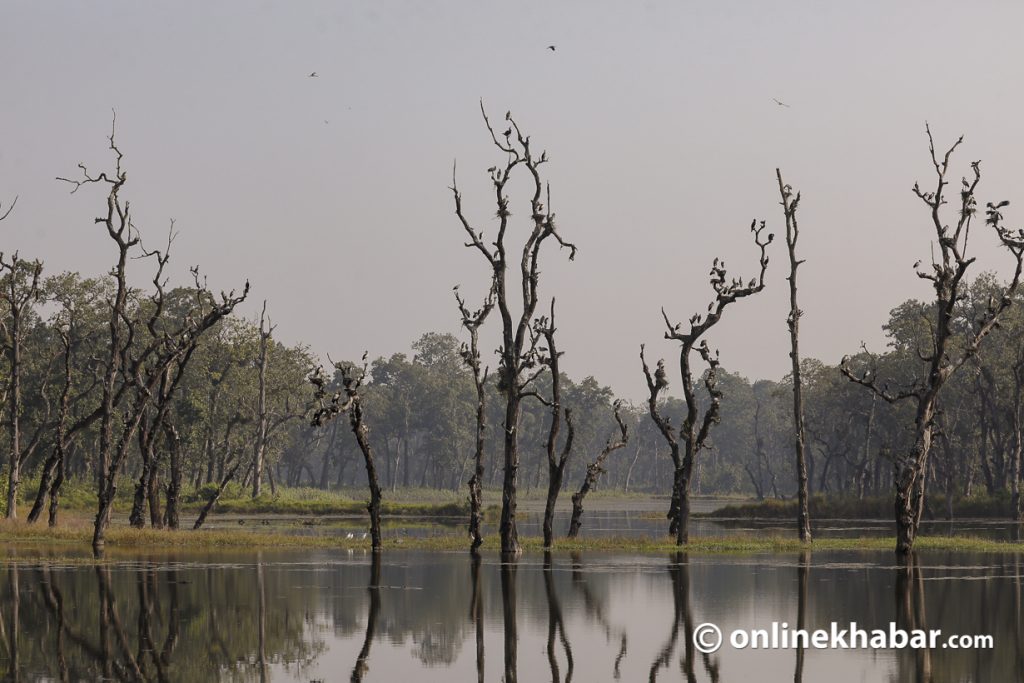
(953, 341)
(789, 206)
(349, 401)
(696, 428)
(516, 362)
(471, 357)
(595, 470)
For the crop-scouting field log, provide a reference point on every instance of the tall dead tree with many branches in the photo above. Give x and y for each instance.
(790, 202)
(472, 320)
(516, 368)
(953, 340)
(133, 368)
(696, 428)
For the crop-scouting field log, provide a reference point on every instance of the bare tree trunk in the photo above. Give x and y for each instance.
(471, 357)
(556, 464)
(789, 205)
(349, 401)
(174, 485)
(262, 419)
(594, 470)
(216, 495)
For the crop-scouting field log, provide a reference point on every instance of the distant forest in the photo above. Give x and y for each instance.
(420, 410)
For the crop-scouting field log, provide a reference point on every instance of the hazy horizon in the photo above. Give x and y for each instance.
(331, 193)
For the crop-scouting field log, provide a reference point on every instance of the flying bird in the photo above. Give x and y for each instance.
(779, 102)
(551, 47)
(314, 75)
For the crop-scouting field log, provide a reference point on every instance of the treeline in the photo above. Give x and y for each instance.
(421, 405)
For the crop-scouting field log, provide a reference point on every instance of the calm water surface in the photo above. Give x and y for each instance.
(417, 616)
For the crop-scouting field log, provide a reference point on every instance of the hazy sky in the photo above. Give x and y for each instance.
(331, 193)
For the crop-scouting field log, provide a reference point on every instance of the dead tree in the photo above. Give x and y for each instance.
(471, 357)
(117, 222)
(696, 428)
(349, 401)
(262, 418)
(19, 292)
(595, 470)
(516, 362)
(543, 332)
(133, 368)
(789, 206)
(947, 274)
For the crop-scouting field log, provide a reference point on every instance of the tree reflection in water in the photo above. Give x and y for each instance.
(508, 607)
(261, 618)
(476, 614)
(910, 611)
(595, 610)
(362, 666)
(679, 572)
(555, 624)
(802, 571)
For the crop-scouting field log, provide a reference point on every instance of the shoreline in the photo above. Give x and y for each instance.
(22, 534)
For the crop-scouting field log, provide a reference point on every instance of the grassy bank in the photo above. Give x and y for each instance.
(875, 507)
(81, 497)
(79, 535)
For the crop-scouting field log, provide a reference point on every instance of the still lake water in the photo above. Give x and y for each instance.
(319, 615)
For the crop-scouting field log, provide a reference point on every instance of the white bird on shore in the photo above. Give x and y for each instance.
(350, 535)
(364, 536)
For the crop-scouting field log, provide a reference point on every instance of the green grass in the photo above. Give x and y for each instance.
(875, 507)
(80, 496)
(77, 535)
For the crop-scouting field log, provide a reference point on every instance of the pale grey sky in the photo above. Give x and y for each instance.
(330, 193)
